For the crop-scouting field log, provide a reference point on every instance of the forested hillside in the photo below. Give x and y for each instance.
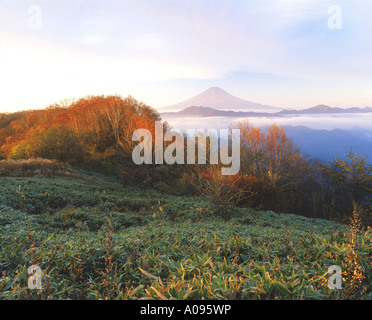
(89, 127)
(95, 133)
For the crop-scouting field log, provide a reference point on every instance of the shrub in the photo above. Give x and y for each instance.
(223, 189)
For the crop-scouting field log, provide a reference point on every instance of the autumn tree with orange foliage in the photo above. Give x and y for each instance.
(269, 156)
(275, 163)
(271, 172)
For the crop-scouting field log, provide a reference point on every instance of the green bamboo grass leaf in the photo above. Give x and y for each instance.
(252, 258)
(283, 289)
(148, 274)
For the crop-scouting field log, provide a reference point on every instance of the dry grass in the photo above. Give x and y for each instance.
(36, 167)
(353, 270)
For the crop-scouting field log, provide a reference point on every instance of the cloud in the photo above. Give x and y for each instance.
(93, 39)
(319, 122)
(148, 42)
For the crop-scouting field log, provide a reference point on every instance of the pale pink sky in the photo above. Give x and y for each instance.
(275, 52)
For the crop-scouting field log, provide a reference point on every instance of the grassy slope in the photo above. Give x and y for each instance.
(97, 239)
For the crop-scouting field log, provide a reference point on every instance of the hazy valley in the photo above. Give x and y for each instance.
(322, 132)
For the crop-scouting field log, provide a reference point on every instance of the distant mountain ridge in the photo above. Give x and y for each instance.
(196, 111)
(323, 109)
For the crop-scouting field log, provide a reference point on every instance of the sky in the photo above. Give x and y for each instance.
(284, 53)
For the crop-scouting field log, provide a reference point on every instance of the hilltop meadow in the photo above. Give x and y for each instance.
(96, 239)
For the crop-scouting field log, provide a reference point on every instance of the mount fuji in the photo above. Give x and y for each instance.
(219, 99)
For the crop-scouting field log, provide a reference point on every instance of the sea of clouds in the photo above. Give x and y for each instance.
(318, 122)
